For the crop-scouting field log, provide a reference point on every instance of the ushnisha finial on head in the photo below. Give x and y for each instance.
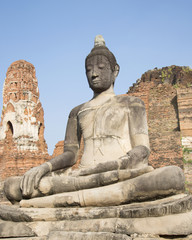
(101, 49)
(99, 41)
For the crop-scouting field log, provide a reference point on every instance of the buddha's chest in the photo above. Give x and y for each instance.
(101, 121)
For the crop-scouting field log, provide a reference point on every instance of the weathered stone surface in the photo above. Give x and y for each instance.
(61, 235)
(58, 184)
(26, 238)
(148, 237)
(145, 187)
(145, 236)
(12, 229)
(167, 206)
(95, 225)
(178, 224)
(133, 237)
(10, 213)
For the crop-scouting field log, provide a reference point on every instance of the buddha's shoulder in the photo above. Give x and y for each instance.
(130, 100)
(75, 110)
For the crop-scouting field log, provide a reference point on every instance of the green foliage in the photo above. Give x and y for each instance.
(187, 150)
(163, 75)
(186, 161)
(186, 155)
(187, 190)
(187, 69)
(176, 85)
(188, 187)
(166, 73)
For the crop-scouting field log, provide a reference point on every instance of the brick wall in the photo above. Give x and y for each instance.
(184, 100)
(162, 90)
(59, 149)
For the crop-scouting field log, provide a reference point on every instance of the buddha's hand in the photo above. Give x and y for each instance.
(138, 156)
(31, 179)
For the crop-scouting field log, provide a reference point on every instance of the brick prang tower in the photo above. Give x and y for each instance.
(22, 143)
(22, 114)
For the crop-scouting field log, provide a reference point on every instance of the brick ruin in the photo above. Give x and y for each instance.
(166, 92)
(59, 148)
(22, 143)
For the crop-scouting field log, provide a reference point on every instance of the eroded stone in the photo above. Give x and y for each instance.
(61, 235)
(12, 229)
(178, 224)
(171, 205)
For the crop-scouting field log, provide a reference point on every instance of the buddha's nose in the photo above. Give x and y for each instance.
(94, 74)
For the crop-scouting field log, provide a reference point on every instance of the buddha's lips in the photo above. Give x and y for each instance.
(95, 81)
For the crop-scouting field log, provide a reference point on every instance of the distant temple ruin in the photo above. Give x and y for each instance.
(22, 143)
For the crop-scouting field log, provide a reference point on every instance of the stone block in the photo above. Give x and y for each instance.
(61, 235)
(12, 229)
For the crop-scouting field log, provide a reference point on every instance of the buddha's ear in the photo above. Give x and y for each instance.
(116, 71)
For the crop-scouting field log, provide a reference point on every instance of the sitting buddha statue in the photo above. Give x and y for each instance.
(114, 166)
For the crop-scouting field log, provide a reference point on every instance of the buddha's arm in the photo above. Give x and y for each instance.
(31, 179)
(138, 133)
(71, 144)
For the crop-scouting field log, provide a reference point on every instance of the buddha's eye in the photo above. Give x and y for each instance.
(101, 65)
(88, 68)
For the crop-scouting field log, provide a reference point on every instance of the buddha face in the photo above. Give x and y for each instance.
(99, 73)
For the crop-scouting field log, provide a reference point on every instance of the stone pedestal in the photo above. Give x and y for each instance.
(158, 219)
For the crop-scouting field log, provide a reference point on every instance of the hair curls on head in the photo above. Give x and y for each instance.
(101, 49)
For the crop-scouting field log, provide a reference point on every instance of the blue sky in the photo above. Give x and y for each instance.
(56, 36)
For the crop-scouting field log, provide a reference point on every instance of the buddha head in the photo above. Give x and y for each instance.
(101, 67)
